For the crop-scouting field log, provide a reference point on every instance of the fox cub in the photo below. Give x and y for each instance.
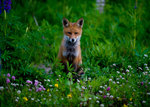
(70, 50)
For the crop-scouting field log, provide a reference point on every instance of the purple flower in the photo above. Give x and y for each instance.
(7, 5)
(8, 75)
(104, 96)
(39, 89)
(142, 83)
(108, 89)
(13, 77)
(29, 82)
(7, 80)
(36, 82)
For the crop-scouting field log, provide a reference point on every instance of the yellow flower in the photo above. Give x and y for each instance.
(25, 98)
(69, 96)
(125, 105)
(47, 90)
(130, 99)
(56, 85)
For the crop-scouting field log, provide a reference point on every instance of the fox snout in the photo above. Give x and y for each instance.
(68, 39)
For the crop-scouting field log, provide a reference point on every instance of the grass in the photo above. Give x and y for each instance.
(115, 53)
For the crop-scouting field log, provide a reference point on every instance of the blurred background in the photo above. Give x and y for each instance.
(114, 31)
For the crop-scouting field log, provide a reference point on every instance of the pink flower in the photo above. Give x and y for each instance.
(39, 89)
(7, 80)
(13, 77)
(108, 89)
(36, 82)
(104, 96)
(142, 83)
(8, 75)
(29, 82)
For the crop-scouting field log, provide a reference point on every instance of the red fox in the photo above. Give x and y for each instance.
(70, 50)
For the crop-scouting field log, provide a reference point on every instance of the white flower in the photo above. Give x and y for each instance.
(105, 85)
(44, 98)
(18, 91)
(127, 70)
(48, 80)
(145, 55)
(145, 64)
(117, 82)
(108, 94)
(100, 92)
(111, 97)
(118, 72)
(101, 86)
(117, 78)
(110, 79)
(97, 98)
(83, 87)
(32, 99)
(78, 80)
(97, 101)
(59, 75)
(45, 80)
(1, 88)
(89, 78)
(148, 93)
(129, 66)
(114, 64)
(51, 85)
(90, 98)
(143, 101)
(62, 98)
(16, 100)
(114, 82)
(101, 105)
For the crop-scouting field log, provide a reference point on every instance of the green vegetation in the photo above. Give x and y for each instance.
(115, 52)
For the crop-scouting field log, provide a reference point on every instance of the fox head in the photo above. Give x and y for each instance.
(72, 31)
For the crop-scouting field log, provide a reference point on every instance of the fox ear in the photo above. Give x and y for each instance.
(65, 22)
(80, 22)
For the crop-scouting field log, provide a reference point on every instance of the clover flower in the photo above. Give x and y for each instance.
(29, 82)
(104, 96)
(7, 5)
(8, 75)
(13, 77)
(1, 88)
(36, 82)
(18, 91)
(108, 89)
(7, 80)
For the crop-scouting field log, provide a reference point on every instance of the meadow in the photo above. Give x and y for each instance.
(115, 52)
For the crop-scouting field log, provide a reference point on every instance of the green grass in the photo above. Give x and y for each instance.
(115, 53)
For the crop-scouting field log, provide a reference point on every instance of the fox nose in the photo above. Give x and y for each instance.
(72, 40)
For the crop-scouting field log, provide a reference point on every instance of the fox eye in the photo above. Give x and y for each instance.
(76, 32)
(69, 33)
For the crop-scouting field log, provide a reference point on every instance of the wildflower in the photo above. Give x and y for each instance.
(16, 100)
(47, 90)
(142, 83)
(111, 97)
(130, 99)
(69, 95)
(145, 55)
(114, 64)
(7, 80)
(83, 87)
(36, 82)
(25, 98)
(18, 91)
(125, 105)
(56, 85)
(7, 5)
(143, 101)
(117, 82)
(29, 82)
(78, 80)
(127, 70)
(8, 75)
(118, 72)
(110, 79)
(13, 77)
(1, 88)
(100, 92)
(90, 98)
(32, 99)
(101, 105)
(39, 89)
(148, 93)
(108, 89)
(48, 80)
(97, 101)
(104, 96)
